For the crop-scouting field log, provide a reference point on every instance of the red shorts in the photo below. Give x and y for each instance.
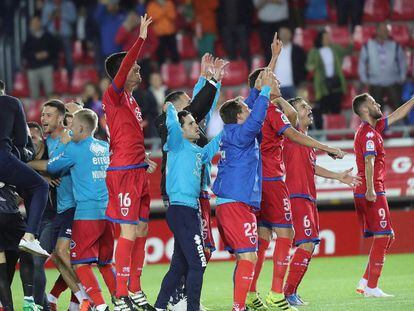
(206, 220)
(238, 227)
(129, 196)
(374, 217)
(92, 241)
(305, 221)
(275, 206)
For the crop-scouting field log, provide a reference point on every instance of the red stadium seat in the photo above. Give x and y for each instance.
(403, 10)
(20, 85)
(339, 35)
(350, 66)
(334, 121)
(174, 75)
(362, 34)
(195, 74)
(348, 97)
(255, 44)
(236, 73)
(376, 10)
(219, 49)
(34, 109)
(401, 34)
(79, 57)
(82, 76)
(229, 93)
(186, 46)
(305, 37)
(61, 79)
(244, 92)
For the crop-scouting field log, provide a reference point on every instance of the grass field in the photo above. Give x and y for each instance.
(329, 284)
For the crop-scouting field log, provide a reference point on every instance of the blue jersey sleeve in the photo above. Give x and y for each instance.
(213, 107)
(199, 85)
(210, 150)
(62, 163)
(250, 100)
(253, 124)
(175, 133)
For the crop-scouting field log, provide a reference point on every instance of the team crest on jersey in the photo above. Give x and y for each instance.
(72, 244)
(370, 146)
(370, 134)
(308, 232)
(383, 224)
(253, 239)
(97, 149)
(284, 119)
(288, 216)
(124, 211)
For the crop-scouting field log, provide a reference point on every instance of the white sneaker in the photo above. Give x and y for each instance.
(33, 247)
(361, 286)
(375, 292)
(179, 306)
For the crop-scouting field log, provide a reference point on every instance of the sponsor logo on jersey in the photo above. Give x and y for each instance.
(370, 146)
(200, 250)
(370, 134)
(97, 149)
(284, 119)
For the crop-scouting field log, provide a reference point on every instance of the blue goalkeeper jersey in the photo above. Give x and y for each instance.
(87, 162)
(64, 193)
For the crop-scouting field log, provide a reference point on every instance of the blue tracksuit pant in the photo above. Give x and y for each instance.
(188, 258)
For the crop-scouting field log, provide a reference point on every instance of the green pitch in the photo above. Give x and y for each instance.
(329, 284)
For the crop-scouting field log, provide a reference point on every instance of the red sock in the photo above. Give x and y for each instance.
(108, 274)
(280, 263)
(73, 298)
(297, 269)
(59, 287)
(123, 265)
(243, 276)
(263, 245)
(137, 262)
(90, 283)
(376, 260)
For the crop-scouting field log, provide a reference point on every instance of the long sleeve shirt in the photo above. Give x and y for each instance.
(62, 25)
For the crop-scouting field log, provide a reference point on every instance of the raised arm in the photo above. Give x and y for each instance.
(401, 112)
(175, 133)
(344, 177)
(132, 55)
(276, 48)
(210, 150)
(289, 111)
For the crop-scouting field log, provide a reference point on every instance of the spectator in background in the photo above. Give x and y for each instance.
(234, 18)
(290, 68)
(297, 13)
(149, 112)
(325, 63)
(349, 9)
(383, 67)
(164, 17)
(59, 18)
(109, 18)
(126, 36)
(272, 15)
(91, 99)
(40, 52)
(206, 25)
(158, 90)
(104, 84)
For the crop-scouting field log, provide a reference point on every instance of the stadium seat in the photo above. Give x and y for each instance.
(376, 10)
(20, 85)
(174, 75)
(348, 97)
(229, 93)
(402, 10)
(81, 76)
(236, 73)
(79, 57)
(305, 37)
(350, 66)
(362, 34)
(219, 49)
(186, 47)
(254, 42)
(401, 34)
(34, 109)
(61, 79)
(339, 35)
(194, 74)
(334, 122)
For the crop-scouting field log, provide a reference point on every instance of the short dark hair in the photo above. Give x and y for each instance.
(358, 101)
(253, 76)
(113, 62)
(181, 115)
(56, 103)
(174, 96)
(35, 125)
(2, 86)
(229, 111)
(293, 101)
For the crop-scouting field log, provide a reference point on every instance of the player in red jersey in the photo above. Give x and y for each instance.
(301, 168)
(275, 215)
(127, 179)
(370, 200)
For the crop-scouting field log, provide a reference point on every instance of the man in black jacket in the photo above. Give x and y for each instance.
(14, 133)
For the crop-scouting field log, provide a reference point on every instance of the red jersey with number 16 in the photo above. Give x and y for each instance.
(271, 146)
(369, 141)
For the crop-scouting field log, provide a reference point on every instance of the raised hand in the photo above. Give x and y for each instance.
(347, 178)
(206, 69)
(276, 46)
(258, 82)
(267, 77)
(145, 22)
(218, 68)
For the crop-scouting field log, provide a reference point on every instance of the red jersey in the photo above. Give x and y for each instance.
(300, 164)
(369, 141)
(126, 137)
(271, 146)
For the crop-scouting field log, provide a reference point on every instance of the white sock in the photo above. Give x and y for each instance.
(363, 281)
(51, 298)
(73, 306)
(28, 298)
(82, 290)
(79, 296)
(101, 307)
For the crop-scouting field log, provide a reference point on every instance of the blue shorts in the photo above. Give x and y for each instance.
(62, 225)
